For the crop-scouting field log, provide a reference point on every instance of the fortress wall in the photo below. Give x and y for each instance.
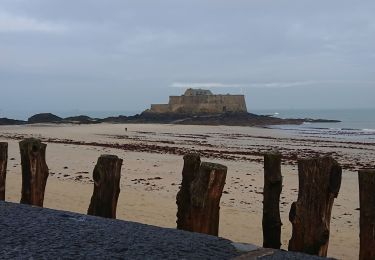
(232, 103)
(160, 108)
(208, 104)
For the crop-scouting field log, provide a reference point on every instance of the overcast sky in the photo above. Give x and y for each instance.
(123, 55)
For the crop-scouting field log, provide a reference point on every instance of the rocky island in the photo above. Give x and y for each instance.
(194, 107)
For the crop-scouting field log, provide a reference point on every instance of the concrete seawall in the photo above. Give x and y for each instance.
(37, 233)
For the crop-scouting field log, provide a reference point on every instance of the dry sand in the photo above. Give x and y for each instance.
(156, 151)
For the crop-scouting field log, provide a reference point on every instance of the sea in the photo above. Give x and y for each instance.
(356, 124)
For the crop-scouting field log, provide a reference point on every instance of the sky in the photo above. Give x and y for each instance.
(117, 55)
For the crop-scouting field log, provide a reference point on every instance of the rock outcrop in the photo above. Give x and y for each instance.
(44, 118)
(228, 118)
(7, 121)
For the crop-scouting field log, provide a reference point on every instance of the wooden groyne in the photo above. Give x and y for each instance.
(106, 175)
(3, 168)
(198, 200)
(273, 182)
(34, 171)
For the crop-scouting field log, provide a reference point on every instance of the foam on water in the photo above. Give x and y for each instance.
(356, 124)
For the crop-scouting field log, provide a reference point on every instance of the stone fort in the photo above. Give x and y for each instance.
(197, 101)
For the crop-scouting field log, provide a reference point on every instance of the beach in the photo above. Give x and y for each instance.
(151, 172)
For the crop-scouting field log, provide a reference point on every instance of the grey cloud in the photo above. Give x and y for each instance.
(14, 23)
(88, 47)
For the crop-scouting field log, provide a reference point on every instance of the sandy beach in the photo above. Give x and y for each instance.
(151, 173)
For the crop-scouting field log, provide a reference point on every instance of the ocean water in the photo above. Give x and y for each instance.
(356, 124)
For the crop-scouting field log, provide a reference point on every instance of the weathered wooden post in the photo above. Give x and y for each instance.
(271, 198)
(106, 175)
(3, 168)
(366, 179)
(190, 170)
(34, 171)
(205, 190)
(319, 185)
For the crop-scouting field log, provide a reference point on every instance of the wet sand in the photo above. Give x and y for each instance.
(151, 173)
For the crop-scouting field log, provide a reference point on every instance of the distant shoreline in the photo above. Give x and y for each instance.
(229, 119)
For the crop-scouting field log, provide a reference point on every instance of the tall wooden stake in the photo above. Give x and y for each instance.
(366, 179)
(319, 185)
(190, 170)
(107, 174)
(34, 171)
(271, 198)
(203, 209)
(3, 168)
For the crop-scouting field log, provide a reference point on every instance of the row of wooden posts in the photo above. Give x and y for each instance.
(198, 200)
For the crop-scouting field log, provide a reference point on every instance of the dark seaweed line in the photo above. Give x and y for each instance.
(289, 158)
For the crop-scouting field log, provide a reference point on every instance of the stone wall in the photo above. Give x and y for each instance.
(202, 104)
(160, 108)
(207, 104)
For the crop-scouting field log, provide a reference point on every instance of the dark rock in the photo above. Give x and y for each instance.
(118, 119)
(44, 118)
(8, 121)
(229, 118)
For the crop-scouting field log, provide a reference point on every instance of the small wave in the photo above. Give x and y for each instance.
(351, 129)
(317, 128)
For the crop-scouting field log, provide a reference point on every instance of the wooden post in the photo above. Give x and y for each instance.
(106, 175)
(206, 188)
(366, 179)
(190, 170)
(3, 168)
(34, 171)
(271, 198)
(319, 185)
